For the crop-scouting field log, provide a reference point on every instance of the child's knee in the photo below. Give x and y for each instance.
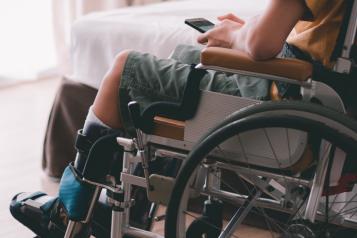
(119, 61)
(114, 74)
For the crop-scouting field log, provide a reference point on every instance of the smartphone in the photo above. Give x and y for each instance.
(200, 24)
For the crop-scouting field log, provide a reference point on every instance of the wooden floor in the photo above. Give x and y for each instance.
(23, 117)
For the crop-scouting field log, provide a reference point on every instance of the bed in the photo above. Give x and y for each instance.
(98, 37)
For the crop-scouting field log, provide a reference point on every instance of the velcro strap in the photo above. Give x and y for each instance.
(83, 143)
(33, 204)
(33, 196)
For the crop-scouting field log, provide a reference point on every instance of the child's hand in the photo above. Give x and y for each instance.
(222, 35)
(232, 17)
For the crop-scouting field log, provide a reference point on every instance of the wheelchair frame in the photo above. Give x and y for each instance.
(144, 146)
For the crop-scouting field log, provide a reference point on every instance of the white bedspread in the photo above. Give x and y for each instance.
(157, 29)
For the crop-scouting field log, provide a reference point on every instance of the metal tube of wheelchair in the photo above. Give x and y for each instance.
(317, 185)
(144, 160)
(120, 213)
(129, 165)
(135, 232)
(213, 177)
(74, 227)
(116, 230)
(92, 204)
(240, 215)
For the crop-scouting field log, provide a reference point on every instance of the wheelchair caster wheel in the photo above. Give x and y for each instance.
(203, 227)
(210, 223)
(301, 230)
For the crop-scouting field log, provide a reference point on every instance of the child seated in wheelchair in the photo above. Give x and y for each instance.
(144, 78)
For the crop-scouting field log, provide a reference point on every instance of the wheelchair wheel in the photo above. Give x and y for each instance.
(273, 166)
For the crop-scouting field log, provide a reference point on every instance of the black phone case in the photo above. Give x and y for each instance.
(191, 23)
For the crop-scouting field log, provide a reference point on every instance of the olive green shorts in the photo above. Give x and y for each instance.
(147, 79)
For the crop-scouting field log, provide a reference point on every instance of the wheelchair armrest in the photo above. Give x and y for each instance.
(237, 60)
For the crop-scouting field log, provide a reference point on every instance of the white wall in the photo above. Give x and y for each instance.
(26, 38)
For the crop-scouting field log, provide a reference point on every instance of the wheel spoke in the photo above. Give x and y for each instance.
(280, 218)
(341, 211)
(262, 210)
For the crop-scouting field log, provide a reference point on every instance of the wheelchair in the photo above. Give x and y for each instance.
(270, 169)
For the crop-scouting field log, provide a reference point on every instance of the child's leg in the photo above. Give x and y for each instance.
(106, 102)
(104, 115)
(103, 118)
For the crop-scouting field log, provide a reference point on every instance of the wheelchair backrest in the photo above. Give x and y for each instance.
(346, 48)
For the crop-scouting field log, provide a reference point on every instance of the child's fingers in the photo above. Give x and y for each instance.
(202, 38)
(232, 17)
(211, 43)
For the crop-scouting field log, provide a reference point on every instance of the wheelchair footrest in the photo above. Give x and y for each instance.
(37, 211)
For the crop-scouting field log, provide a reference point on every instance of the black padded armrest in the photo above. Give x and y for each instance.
(182, 111)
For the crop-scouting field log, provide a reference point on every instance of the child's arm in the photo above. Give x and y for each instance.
(262, 37)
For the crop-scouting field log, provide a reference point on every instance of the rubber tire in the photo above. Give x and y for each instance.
(245, 120)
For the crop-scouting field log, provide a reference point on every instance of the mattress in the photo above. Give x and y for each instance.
(156, 29)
